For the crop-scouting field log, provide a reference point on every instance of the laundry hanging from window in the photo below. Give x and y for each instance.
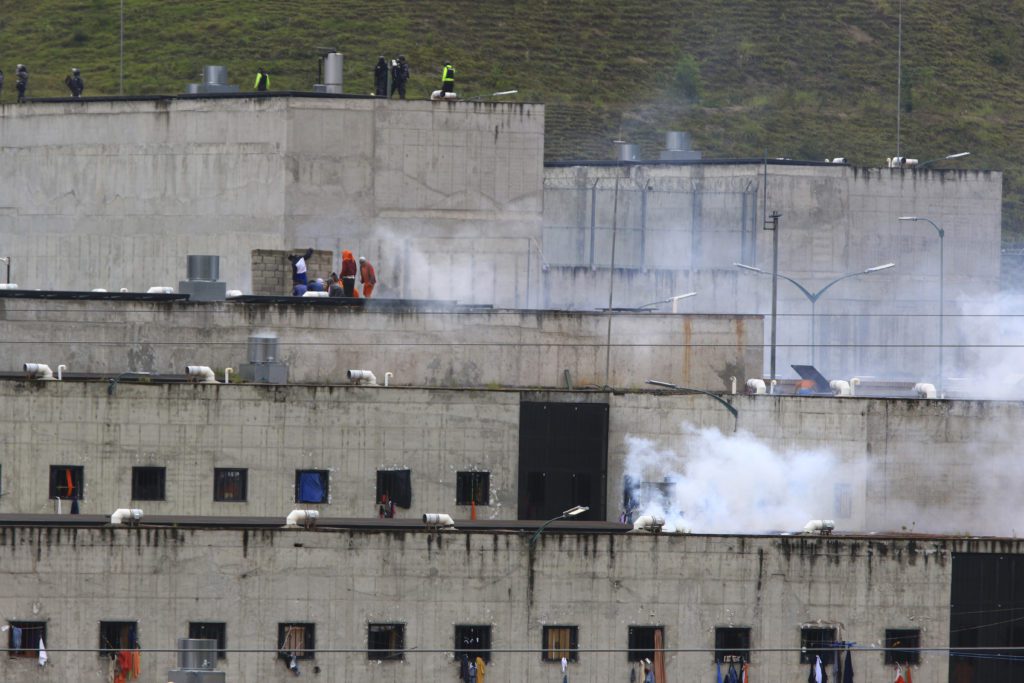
(395, 486)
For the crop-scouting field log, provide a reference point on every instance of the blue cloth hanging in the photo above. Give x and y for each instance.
(311, 488)
(16, 637)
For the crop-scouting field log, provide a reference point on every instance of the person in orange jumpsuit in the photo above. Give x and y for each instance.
(348, 272)
(367, 276)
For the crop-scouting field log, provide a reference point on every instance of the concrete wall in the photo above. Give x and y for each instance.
(680, 228)
(431, 345)
(444, 198)
(941, 466)
(343, 580)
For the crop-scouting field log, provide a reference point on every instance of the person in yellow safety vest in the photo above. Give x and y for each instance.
(262, 80)
(448, 78)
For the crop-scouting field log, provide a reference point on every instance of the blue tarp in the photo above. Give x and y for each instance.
(311, 487)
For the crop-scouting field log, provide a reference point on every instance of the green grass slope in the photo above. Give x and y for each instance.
(804, 79)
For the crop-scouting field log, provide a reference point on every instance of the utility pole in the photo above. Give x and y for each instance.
(120, 80)
(773, 219)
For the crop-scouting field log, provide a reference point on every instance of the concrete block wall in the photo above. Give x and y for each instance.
(272, 272)
(702, 218)
(929, 466)
(432, 345)
(252, 580)
(116, 193)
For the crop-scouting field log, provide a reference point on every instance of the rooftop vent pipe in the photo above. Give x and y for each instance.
(126, 515)
(677, 147)
(305, 518)
(628, 152)
(925, 390)
(821, 526)
(362, 377)
(203, 373)
(39, 371)
(438, 520)
(651, 523)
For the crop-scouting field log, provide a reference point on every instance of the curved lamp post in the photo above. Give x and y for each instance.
(672, 299)
(728, 406)
(568, 514)
(814, 296)
(942, 298)
(958, 155)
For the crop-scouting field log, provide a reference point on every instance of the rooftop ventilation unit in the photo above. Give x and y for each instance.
(215, 80)
(202, 284)
(627, 151)
(677, 147)
(197, 658)
(331, 64)
(263, 366)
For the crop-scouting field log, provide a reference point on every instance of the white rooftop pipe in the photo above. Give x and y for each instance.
(925, 390)
(307, 518)
(854, 383)
(756, 386)
(122, 515)
(202, 372)
(8, 285)
(60, 372)
(438, 519)
(840, 387)
(362, 377)
(387, 378)
(233, 293)
(160, 289)
(821, 526)
(227, 375)
(39, 371)
(651, 523)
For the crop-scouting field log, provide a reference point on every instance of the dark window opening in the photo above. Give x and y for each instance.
(230, 485)
(23, 638)
(901, 646)
(385, 641)
(732, 644)
(643, 643)
(472, 487)
(560, 641)
(816, 642)
(563, 459)
(394, 488)
(296, 640)
(212, 630)
(118, 635)
(473, 642)
(311, 486)
(67, 481)
(148, 483)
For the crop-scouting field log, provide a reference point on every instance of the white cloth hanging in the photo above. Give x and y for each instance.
(42, 653)
(565, 663)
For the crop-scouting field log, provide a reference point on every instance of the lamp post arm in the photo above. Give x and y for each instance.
(544, 526)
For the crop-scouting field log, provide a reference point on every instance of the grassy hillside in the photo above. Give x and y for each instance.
(801, 78)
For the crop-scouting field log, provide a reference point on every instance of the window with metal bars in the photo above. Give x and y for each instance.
(385, 641)
(816, 642)
(642, 641)
(732, 642)
(67, 481)
(560, 641)
(118, 635)
(230, 485)
(472, 487)
(296, 639)
(23, 638)
(148, 483)
(473, 642)
(901, 646)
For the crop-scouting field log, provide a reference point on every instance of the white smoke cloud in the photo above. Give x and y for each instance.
(991, 364)
(734, 483)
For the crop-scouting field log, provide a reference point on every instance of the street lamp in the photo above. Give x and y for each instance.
(942, 298)
(672, 299)
(568, 514)
(728, 406)
(814, 296)
(958, 155)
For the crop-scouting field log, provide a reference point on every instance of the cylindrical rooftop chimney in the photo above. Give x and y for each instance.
(333, 63)
(262, 348)
(629, 152)
(676, 140)
(215, 75)
(204, 268)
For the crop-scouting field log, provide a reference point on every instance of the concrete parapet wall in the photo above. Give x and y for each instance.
(429, 582)
(422, 346)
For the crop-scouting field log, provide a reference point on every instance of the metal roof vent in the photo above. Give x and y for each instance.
(263, 366)
(628, 152)
(677, 147)
(215, 80)
(202, 273)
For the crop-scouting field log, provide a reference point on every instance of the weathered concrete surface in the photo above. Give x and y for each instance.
(425, 346)
(680, 228)
(341, 581)
(927, 465)
(116, 193)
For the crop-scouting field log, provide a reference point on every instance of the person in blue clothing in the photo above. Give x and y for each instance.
(298, 262)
